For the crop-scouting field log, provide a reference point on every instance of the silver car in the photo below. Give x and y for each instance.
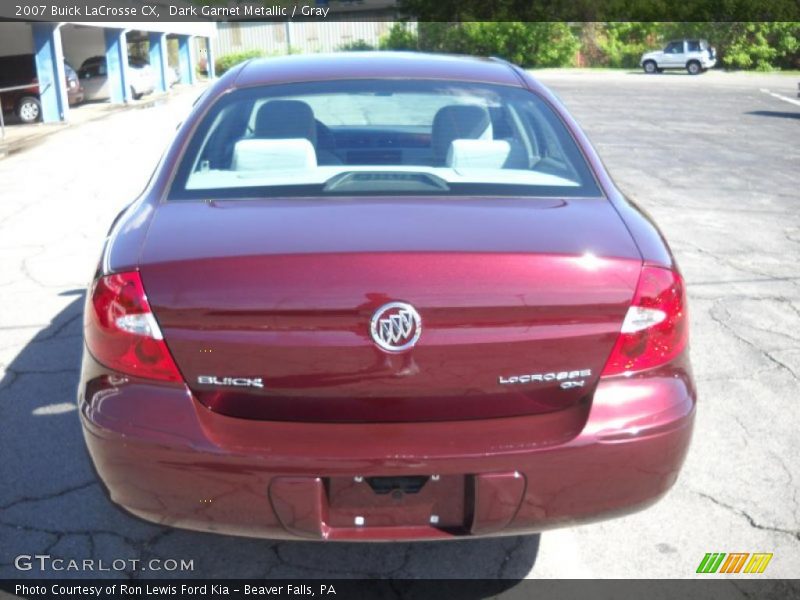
(94, 77)
(695, 56)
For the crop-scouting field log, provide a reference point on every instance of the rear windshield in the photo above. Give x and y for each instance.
(381, 137)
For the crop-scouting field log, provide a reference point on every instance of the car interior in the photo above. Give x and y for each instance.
(493, 142)
(383, 140)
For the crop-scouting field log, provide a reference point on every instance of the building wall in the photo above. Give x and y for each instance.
(304, 36)
(15, 38)
(82, 40)
(81, 43)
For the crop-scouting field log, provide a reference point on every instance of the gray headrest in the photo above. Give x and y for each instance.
(458, 121)
(286, 119)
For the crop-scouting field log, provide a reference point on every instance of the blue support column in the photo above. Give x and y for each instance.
(158, 60)
(185, 54)
(210, 59)
(50, 72)
(117, 65)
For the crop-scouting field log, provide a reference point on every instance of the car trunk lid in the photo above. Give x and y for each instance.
(266, 305)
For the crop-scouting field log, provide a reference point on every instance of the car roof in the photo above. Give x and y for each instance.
(376, 65)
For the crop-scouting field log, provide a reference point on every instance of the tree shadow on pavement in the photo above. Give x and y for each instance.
(51, 501)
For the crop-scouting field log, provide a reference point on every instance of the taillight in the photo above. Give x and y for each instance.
(121, 331)
(655, 329)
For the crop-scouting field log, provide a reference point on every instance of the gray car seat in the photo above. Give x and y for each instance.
(458, 121)
(283, 119)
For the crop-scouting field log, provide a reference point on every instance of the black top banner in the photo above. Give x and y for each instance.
(392, 10)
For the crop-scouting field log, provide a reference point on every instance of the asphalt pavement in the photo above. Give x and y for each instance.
(714, 158)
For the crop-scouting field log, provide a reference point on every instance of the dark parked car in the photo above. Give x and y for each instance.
(402, 302)
(20, 69)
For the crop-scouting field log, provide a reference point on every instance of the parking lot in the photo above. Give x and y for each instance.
(715, 159)
(19, 136)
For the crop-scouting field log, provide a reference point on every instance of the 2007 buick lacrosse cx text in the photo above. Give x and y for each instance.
(384, 296)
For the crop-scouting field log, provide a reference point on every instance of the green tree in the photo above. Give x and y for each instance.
(599, 10)
(754, 45)
(228, 61)
(399, 37)
(761, 46)
(534, 44)
(622, 44)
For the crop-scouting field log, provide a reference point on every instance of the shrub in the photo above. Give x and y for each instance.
(622, 44)
(399, 37)
(226, 62)
(761, 46)
(527, 44)
(357, 46)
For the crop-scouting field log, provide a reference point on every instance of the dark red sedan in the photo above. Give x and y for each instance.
(384, 297)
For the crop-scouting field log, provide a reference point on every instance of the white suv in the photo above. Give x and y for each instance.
(693, 55)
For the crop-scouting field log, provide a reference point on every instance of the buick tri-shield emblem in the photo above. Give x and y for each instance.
(396, 326)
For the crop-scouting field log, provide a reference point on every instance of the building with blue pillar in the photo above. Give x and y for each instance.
(50, 44)
(210, 60)
(158, 59)
(50, 71)
(186, 57)
(117, 65)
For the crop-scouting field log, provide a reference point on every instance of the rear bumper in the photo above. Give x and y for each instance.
(168, 459)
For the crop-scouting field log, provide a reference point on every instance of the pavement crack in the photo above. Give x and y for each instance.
(692, 284)
(20, 372)
(765, 353)
(790, 484)
(58, 494)
(502, 571)
(726, 260)
(270, 568)
(404, 563)
(753, 523)
(779, 362)
(741, 424)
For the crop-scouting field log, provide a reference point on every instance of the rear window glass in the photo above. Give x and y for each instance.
(381, 137)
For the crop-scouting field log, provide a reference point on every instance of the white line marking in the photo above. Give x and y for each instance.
(780, 97)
